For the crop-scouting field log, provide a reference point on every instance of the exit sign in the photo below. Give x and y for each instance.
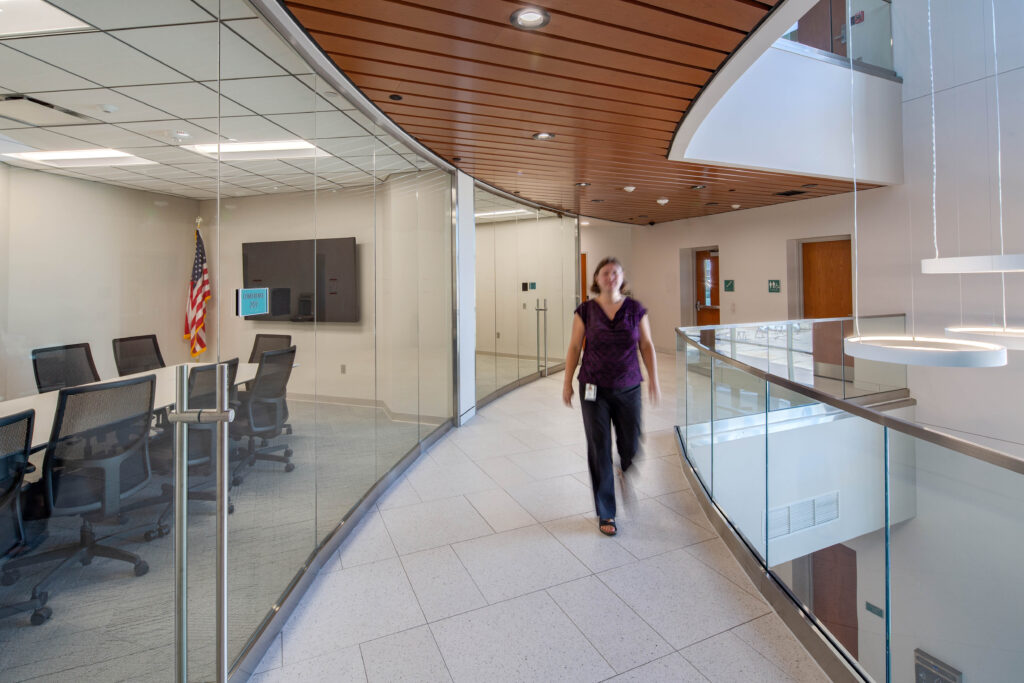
(775, 286)
(730, 285)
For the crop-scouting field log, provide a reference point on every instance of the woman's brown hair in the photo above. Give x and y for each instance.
(604, 262)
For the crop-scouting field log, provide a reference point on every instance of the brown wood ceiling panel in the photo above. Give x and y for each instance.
(610, 78)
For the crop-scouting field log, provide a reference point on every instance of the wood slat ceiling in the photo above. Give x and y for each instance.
(611, 79)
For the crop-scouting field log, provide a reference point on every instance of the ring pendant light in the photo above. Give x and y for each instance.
(914, 350)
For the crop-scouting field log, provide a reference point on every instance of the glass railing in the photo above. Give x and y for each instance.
(900, 543)
(867, 30)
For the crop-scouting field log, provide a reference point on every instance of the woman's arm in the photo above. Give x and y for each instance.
(650, 360)
(572, 357)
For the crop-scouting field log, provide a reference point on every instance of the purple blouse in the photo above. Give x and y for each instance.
(610, 356)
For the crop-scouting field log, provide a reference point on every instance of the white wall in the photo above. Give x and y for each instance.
(89, 262)
(807, 130)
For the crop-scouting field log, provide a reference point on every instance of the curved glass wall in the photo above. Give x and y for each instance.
(526, 290)
(348, 231)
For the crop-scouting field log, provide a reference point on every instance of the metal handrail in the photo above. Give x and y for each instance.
(968, 448)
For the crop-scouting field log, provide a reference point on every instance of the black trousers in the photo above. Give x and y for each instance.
(621, 408)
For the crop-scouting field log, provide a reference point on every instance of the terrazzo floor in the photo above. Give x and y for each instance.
(484, 563)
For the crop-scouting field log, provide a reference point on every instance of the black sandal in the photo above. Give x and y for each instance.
(601, 523)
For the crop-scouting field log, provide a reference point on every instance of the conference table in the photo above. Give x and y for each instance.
(45, 404)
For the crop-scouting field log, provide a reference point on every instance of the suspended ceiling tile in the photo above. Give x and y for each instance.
(349, 179)
(324, 124)
(246, 128)
(321, 165)
(265, 167)
(349, 147)
(105, 135)
(194, 50)
(90, 102)
(275, 95)
(227, 9)
(184, 100)
(164, 155)
(45, 140)
(270, 44)
(167, 131)
(111, 14)
(97, 57)
(22, 73)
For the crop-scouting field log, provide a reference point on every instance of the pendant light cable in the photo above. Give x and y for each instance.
(848, 29)
(999, 154)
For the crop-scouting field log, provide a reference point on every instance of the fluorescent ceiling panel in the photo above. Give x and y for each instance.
(28, 17)
(74, 158)
(246, 151)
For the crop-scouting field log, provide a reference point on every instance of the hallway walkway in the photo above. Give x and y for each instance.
(484, 563)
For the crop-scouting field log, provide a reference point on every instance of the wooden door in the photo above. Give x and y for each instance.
(706, 287)
(834, 576)
(828, 293)
(584, 278)
(822, 27)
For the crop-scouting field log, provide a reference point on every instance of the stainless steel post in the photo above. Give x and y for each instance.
(545, 371)
(536, 309)
(181, 528)
(223, 477)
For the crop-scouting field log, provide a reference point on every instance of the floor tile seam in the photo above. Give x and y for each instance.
(426, 625)
(715, 570)
(578, 558)
(658, 659)
(758, 651)
(451, 543)
(469, 574)
(578, 627)
(772, 664)
(630, 607)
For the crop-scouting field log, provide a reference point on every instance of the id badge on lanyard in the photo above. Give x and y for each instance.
(589, 392)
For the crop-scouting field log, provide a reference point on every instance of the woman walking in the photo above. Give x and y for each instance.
(614, 326)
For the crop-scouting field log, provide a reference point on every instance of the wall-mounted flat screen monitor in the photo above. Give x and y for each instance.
(309, 280)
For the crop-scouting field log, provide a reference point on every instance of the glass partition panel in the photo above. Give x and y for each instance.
(698, 411)
(486, 295)
(264, 235)
(344, 344)
(528, 296)
(825, 523)
(955, 560)
(738, 445)
(867, 30)
(397, 280)
(509, 298)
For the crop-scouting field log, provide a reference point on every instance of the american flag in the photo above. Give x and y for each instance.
(198, 295)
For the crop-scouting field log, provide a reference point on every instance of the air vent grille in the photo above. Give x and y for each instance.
(803, 514)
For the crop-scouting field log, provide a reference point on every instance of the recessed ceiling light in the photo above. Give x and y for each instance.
(629, 188)
(543, 136)
(735, 206)
(530, 18)
(243, 151)
(582, 184)
(662, 200)
(396, 98)
(456, 158)
(584, 222)
(698, 187)
(27, 17)
(79, 158)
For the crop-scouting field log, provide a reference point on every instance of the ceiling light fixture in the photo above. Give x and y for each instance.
(396, 98)
(245, 151)
(505, 212)
(698, 187)
(27, 17)
(582, 184)
(80, 158)
(735, 206)
(662, 200)
(543, 136)
(530, 18)
(629, 188)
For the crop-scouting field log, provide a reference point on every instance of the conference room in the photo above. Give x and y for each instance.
(126, 131)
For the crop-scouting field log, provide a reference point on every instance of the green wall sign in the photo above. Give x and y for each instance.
(775, 286)
(730, 285)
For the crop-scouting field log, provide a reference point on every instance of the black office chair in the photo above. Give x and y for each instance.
(268, 342)
(15, 539)
(96, 461)
(137, 354)
(263, 409)
(57, 367)
(202, 439)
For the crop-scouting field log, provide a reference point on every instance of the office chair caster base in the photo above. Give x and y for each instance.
(9, 578)
(231, 508)
(289, 467)
(236, 481)
(122, 518)
(41, 616)
(156, 533)
(141, 568)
